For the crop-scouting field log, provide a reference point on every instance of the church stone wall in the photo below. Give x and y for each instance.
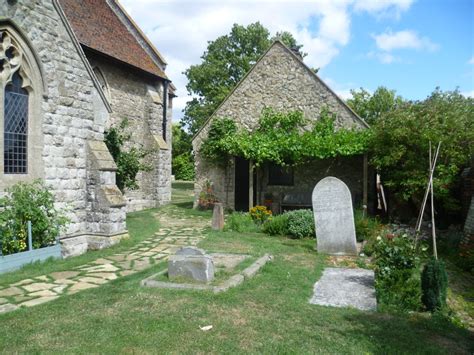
(139, 100)
(69, 118)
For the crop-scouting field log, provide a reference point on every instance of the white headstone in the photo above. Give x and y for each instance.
(334, 217)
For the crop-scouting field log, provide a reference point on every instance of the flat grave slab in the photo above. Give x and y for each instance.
(340, 287)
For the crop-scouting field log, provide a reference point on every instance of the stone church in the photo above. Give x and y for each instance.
(279, 80)
(69, 70)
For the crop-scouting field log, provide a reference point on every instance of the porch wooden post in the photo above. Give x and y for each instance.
(251, 187)
(365, 183)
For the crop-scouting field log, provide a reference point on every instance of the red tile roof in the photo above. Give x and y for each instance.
(97, 26)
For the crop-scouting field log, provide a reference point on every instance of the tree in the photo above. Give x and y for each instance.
(182, 164)
(400, 146)
(224, 63)
(372, 107)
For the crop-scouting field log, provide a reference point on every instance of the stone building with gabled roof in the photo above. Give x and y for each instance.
(279, 80)
(69, 71)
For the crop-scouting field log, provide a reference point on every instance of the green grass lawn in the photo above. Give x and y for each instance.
(267, 314)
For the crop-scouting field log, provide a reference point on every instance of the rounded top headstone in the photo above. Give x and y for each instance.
(334, 217)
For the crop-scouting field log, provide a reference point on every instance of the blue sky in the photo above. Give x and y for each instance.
(414, 73)
(411, 46)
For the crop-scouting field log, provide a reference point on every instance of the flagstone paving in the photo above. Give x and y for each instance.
(174, 232)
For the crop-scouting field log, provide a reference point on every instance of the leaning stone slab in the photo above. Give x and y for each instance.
(345, 288)
(334, 217)
(196, 267)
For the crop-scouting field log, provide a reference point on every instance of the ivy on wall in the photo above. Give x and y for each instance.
(129, 161)
(284, 138)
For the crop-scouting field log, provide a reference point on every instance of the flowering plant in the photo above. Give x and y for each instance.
(260, 214)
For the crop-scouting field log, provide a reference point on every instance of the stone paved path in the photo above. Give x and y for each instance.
(172, 235)
(340, 287)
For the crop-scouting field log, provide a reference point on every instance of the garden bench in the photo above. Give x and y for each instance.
(296, 201)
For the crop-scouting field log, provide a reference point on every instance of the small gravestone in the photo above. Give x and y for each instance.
(334, 217)
(191, 263)
(218, 217)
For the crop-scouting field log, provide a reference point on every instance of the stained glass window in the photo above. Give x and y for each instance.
(15, 150)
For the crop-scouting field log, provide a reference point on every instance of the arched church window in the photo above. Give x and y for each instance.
(21, 90)
(15, 127)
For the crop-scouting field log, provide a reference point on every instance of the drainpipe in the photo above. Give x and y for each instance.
(165, 107)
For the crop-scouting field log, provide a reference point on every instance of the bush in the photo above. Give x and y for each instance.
(278, 225)
(260, 214)
(300, 223)
(367, 228)
(240, 222)
(29, 202)
(434, 283)
(182, 167)
(396, 264)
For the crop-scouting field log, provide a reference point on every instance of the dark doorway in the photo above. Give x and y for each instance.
(241, 184)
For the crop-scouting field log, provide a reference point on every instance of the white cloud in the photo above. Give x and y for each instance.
(180, 29)
(471, 61)
(468, 93)
(383, 57)
(407, 39)
(385, 8)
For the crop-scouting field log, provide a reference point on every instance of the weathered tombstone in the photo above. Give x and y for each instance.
(334, 218)
(218, 217)
(191, 263)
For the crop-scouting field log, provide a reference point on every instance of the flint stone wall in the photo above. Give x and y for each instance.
(280, 81)
(71, 114)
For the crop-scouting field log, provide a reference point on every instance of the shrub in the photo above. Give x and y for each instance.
(434, 283)
(300, 223)
(278, 225)
(29, 202)
(240, 222)
(396, 264)
(260, 214)
(367, 228)
(182, 167)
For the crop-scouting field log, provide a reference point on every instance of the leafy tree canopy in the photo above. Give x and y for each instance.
(283, 138)
(224, 63)
(400, 145)
(372, 106)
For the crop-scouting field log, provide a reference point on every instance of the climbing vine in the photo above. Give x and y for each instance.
(129, 161)
(283, 138)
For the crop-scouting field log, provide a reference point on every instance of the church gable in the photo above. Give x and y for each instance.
(282, 81)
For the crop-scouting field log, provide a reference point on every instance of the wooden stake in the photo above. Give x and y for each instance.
(432, 168)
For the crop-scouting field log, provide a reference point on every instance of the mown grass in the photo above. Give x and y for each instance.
(267, 314)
